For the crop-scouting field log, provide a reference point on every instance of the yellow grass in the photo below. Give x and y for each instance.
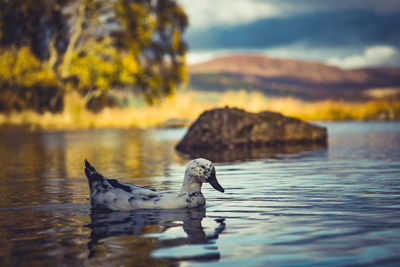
(189, 105)
(385, 92)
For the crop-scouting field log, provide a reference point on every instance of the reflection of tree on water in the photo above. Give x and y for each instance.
(142, 224)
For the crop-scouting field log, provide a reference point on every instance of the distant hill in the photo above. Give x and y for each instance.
(286, 77)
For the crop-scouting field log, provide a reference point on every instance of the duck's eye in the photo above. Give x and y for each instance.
(203, 167)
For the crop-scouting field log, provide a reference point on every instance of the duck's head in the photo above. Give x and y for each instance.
(203, 171)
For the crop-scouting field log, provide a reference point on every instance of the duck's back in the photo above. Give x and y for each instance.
(111, 194)
(118, 198)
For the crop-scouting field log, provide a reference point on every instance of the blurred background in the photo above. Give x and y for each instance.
(133, 69)
(96, 63)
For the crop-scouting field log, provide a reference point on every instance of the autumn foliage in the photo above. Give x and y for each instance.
(49, 48)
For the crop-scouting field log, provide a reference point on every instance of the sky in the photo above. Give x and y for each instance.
(344, 33)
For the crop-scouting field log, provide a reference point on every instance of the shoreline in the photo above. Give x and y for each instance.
(183, 108)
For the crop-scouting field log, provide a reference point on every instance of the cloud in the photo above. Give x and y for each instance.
(202, 56)
(336, 32)
(331, 29)
(311, 6)
(372, 56)
(209, 13)
(203, 14)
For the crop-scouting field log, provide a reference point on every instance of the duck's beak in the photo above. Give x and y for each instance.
(214, 183)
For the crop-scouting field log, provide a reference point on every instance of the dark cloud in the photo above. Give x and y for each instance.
(311, 6)
(345, 33)
(336, 29)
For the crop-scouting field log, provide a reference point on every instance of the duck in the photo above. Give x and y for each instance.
(112, 195)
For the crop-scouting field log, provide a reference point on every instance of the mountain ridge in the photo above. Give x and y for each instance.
(291, 77)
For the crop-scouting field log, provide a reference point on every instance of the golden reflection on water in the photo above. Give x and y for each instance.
(50, 165)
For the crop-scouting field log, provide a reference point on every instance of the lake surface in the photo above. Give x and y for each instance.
(335, 206)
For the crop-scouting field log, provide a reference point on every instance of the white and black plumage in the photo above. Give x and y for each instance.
(109, 194)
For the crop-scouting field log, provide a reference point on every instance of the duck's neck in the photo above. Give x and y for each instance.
(190, 185)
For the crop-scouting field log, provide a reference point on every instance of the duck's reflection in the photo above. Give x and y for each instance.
(156, 223)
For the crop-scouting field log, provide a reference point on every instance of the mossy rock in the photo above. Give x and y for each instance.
(231, 128)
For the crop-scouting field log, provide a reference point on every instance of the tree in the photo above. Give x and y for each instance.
(33, 23)
(27, 31)
(95, 45)
(157, 27)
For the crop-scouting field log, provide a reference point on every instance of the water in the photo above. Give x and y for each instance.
(323, 207)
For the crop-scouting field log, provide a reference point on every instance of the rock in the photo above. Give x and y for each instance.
(231, 128)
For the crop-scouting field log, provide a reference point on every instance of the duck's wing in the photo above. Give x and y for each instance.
(98, 182)
(132, 188)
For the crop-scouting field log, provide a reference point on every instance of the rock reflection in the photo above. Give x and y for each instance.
(246, 153)
(150, 224)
